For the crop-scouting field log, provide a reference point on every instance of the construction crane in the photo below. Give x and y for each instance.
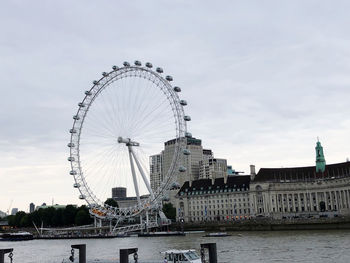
(8, 210)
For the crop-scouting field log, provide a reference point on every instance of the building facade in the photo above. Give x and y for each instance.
(301, 192)
(31, 207)
(118, 192)
(280, 193)
(156, 174)
(212, 168)
(207, 200)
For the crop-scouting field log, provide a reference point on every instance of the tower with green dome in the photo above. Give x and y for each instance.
(320, 160)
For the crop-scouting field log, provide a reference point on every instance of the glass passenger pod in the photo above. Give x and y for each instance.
(186, 152)
(73, 131)
(76, 117)
(126, 64)
(81, 104)
(71, 159)
(188, 135)
(137, 63)
(88, 93)
(169, 78)
(115, 68)
(95, 82)
(187, 118)
(76, 185)
(71, 145)
(159, 70)
(183, 102)
(149, 65)
(81, 197)
(182, 169)
(73, 172)
(105, 74)
(182, 256)
(177, 89)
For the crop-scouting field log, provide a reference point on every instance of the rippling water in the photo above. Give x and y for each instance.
(283, 246)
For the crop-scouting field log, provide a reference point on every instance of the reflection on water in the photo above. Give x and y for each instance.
(283, 246)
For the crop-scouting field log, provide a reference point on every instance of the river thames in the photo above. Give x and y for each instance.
(280, 246)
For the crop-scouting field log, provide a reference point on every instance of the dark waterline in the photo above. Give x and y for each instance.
(280, 246)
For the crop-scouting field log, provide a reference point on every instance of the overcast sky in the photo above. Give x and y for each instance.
(262, 79)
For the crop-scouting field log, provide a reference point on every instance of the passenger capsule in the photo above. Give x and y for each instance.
(149, 65)
(71, 145)
(183, 102)
(73, 172)
(177, 89)
(169, 78)
(76, 185)
(188, 135)
(73, 131)
(104, 74)
(115, 68)
(81, 104)
(159, 70)
(182, 169)
(126, 64)
(186, 152)
(175, 185)
(187, 118)
(95, 82)
(166, 199)
(88, 93)
(137, 63)
(82, 197)
(71, 159)
(76, 117)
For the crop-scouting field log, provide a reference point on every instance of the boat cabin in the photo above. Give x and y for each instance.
(181, 256)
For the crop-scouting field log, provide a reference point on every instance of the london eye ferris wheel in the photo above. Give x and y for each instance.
(123, 119)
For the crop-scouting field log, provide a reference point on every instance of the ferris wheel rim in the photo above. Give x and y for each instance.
(84, 106)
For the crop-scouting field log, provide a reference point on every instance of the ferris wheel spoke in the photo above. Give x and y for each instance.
(146, 120)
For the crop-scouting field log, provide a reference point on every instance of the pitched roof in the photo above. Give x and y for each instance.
(205, 186)
(308, 173)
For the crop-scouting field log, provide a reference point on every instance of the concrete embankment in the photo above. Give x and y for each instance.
(273, 224)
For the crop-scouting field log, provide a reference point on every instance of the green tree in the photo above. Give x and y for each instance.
(169, 210)
(69, 215)
(82, 218)
(26, 221)
(18, 217)
(57, 219)
(111, 202)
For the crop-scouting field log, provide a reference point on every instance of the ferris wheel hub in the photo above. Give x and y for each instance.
(128, 141)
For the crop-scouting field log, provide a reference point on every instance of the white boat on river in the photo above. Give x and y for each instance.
(181, 256)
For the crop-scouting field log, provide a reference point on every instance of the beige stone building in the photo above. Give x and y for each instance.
(207, 200)
(301, 192)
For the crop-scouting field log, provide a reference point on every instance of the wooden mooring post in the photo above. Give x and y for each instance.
(3, 252)
(124, 254)
(213, 256)
(82, 252)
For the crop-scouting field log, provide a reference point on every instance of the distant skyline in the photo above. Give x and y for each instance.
(262, 80)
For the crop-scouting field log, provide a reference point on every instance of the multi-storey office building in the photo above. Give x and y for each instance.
(212, 168)
(156, 174)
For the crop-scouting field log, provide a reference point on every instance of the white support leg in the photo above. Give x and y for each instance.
(147, 221)
(142, 174)
(134, 176)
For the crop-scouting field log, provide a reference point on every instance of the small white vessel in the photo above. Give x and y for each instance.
(181, 256)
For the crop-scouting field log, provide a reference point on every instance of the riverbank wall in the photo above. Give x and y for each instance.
(272, 225)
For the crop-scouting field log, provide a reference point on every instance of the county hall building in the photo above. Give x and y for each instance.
(279, 193)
